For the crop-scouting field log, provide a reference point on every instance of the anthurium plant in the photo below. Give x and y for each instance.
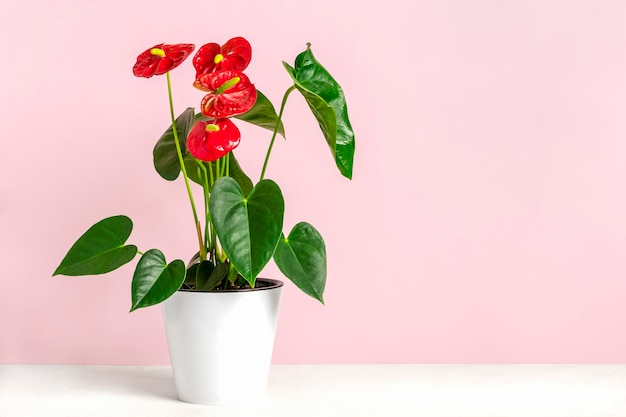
(239, 226)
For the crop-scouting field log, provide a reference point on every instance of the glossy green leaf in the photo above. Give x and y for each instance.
(155, 280)
(100, 249)
(203, 272)
(248, 228)
(327, 102)
(190, 276)
(239, 175)
(209, 276)
(301, 257)
(263, 114)
(165, 157)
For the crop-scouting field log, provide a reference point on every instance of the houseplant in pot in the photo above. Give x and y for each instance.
(220, 317)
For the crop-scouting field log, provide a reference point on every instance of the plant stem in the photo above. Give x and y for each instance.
(184, 170)
(280, 115)
(205, 188)
(211, 179)
(212, 238)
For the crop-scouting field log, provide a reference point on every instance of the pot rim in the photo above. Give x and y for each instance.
(273, 284)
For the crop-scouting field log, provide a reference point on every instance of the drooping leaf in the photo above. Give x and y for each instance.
(164, 154)
(301, 257)
(263, 114)
(155, 280)
(248, 227)
(327, 102)
(100, 249)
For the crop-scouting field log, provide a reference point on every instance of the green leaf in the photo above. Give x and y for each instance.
(154, 280)
(233, 274)
(302, 258)
(209, 276)
(263, 114)
(237, 173)
(194, 169)
(203, 272)
(190, 276)
(248, 228)
(100, 249)
(328, 104)
(165, 156)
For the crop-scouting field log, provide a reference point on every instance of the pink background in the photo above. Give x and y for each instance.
(486, 221)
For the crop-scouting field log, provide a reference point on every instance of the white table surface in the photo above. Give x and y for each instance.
(325, 391)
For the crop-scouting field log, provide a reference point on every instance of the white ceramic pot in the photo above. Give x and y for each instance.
(221, 342)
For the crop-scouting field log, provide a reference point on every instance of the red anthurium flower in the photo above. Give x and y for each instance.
(161, 59)
(230, 93)
(212, 139)
(234, 55)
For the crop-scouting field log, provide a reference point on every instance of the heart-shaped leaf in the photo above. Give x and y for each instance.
(155, 280)
(302, 258)
(248, 227)
(263, 114)
(164, 154)
(100, 249)
(327, 102)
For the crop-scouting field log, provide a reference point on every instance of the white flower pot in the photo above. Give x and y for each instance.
(221, 342)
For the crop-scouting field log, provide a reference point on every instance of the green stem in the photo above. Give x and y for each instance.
(280, 115)
(224, 162)
(213, 237)
(182, 168)
(205, 188)
(211, 175)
